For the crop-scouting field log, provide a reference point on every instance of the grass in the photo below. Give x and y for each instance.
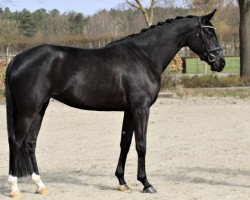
(207, 85)
(181, 92)
(196, 66)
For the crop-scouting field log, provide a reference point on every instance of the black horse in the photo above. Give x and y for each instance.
(124, 76)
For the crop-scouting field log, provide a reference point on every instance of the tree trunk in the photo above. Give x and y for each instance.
(244, 38)
(139, 6)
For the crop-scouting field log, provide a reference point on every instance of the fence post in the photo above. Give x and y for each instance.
(7, 56)
(184, 65)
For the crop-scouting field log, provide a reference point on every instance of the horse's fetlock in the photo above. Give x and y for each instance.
(119, 172)
(141, 178)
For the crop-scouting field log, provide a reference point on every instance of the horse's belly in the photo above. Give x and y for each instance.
(93, 99)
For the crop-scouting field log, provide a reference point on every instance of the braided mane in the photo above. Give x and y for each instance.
(168, 21)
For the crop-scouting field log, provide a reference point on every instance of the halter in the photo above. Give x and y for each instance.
(209, 53)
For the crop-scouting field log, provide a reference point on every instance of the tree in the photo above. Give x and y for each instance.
(40, 20)
(57, 24)
(205, 6)
(100, 24)
(77, 22)
(244, 37)
(9, 32)
(148, 18)
(27, 23)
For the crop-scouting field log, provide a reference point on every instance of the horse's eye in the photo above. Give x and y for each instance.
(210, 34)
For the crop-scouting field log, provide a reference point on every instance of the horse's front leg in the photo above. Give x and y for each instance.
(126, 137)
(141, 116)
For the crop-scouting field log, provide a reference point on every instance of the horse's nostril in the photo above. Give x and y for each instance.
(222, 63)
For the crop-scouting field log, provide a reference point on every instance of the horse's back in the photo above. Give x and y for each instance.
(77, 77)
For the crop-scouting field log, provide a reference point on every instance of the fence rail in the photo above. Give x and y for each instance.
(230, 50)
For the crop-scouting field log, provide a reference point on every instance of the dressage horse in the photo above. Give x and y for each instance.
(125, 75)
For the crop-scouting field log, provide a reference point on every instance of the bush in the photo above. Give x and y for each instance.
(2, 79)
(205, 81)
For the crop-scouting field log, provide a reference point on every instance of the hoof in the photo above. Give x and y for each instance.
(150, 190)
(43, 191)
(122, 188)
(16, 195)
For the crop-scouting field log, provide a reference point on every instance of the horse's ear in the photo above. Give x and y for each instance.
(208, 17)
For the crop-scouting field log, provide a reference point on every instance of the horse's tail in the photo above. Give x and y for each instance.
(9, 104)
(17, 150)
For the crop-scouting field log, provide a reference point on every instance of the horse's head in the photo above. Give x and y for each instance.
(204, 42)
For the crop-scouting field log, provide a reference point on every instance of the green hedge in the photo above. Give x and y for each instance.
(205, 81)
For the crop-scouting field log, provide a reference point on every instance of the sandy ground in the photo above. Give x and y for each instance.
(198, 148)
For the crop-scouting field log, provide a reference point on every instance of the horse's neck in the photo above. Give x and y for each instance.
(161, 47)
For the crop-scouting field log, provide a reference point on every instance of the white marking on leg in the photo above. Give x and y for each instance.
(12, 180)
(37, 180)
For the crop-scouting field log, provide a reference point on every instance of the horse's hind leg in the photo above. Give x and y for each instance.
(126, 137)
(22, 149)
(32, 139)
(20, 162)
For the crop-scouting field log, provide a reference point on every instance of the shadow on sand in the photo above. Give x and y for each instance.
(184, 175)
(67, 177)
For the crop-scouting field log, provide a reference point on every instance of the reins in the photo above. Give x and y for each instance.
(209, 53)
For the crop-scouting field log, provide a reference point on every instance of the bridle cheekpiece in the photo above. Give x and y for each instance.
(209, 53)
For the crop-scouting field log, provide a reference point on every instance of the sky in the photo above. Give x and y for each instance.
(87, 7)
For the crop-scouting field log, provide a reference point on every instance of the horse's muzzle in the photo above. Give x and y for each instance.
(219, 65)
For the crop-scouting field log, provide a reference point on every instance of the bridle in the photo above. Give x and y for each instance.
(209, 53)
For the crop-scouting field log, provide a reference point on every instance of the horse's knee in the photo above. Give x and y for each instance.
(141, 148)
